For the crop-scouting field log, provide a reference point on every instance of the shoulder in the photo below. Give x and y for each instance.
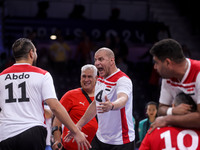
(195, 63)
(38, 70)
(73, 92)
(143, 121)
(23, 68)
(195, 66)
(117, 76)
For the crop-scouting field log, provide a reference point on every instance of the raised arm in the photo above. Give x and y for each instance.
(106, 106)
(89, 115)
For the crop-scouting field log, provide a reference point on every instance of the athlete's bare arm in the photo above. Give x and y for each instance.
(162, 109)
(88, 115)
(190, 120)
(61, 113)
(178, 110)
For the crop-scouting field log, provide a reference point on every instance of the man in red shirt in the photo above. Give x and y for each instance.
(76, 102)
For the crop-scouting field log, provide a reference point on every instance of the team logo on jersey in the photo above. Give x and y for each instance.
(82, 103)
(108, 88)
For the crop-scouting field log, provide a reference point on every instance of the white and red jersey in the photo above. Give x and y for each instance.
(190, 84)
(23, 89)
(171, 138)
(116, 126)
(49, 126)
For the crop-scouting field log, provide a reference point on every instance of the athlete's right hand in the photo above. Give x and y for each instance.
(80, 139)
(69, 136)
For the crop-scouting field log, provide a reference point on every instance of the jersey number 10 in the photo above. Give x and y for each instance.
(180, 140)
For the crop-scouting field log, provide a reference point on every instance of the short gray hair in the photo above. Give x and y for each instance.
(91, 67)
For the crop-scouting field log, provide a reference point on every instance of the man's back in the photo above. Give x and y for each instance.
(22, 92)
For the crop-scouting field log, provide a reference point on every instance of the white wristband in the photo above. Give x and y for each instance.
(169, 111)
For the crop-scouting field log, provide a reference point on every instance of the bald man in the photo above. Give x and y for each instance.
(112, 105)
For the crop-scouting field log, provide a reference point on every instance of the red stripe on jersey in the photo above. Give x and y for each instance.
(23, 68)
(194, 71)
(189, 82)
(190, 90)
(116, 76)
(113, 78)
(180, 85)
(125, 135)
(110, 84)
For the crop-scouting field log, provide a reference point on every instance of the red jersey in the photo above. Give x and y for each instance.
(76, 104)
(171, 138)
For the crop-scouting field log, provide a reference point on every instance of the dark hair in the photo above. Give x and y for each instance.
(21, 47)
(168, 48)
(151, 103)
(186, 99)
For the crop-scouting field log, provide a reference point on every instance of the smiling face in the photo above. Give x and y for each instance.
(104, 61)
(88, 80)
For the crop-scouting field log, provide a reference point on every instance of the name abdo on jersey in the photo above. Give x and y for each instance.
(17, 76)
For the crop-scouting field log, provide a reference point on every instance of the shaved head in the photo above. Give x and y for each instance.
(105, 62)
(109, 53)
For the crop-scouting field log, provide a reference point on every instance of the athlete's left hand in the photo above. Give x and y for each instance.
(104, 106)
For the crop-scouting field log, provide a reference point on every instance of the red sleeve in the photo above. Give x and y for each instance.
(66, 101)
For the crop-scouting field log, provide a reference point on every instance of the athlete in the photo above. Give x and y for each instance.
(112, 104)
(172, 138)
(23, 90)
(179, 74)
(76, 102)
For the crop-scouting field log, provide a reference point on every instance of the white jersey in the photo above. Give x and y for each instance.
(116, 126)
(190, 84)
(49, 126)
(23, 89)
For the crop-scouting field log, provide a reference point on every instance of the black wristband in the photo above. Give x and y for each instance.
(55, 129)
(112, 106)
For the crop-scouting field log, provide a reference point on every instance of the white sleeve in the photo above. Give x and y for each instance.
(197, 86)
(124, 85)
(165, 95)
(48, 89)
